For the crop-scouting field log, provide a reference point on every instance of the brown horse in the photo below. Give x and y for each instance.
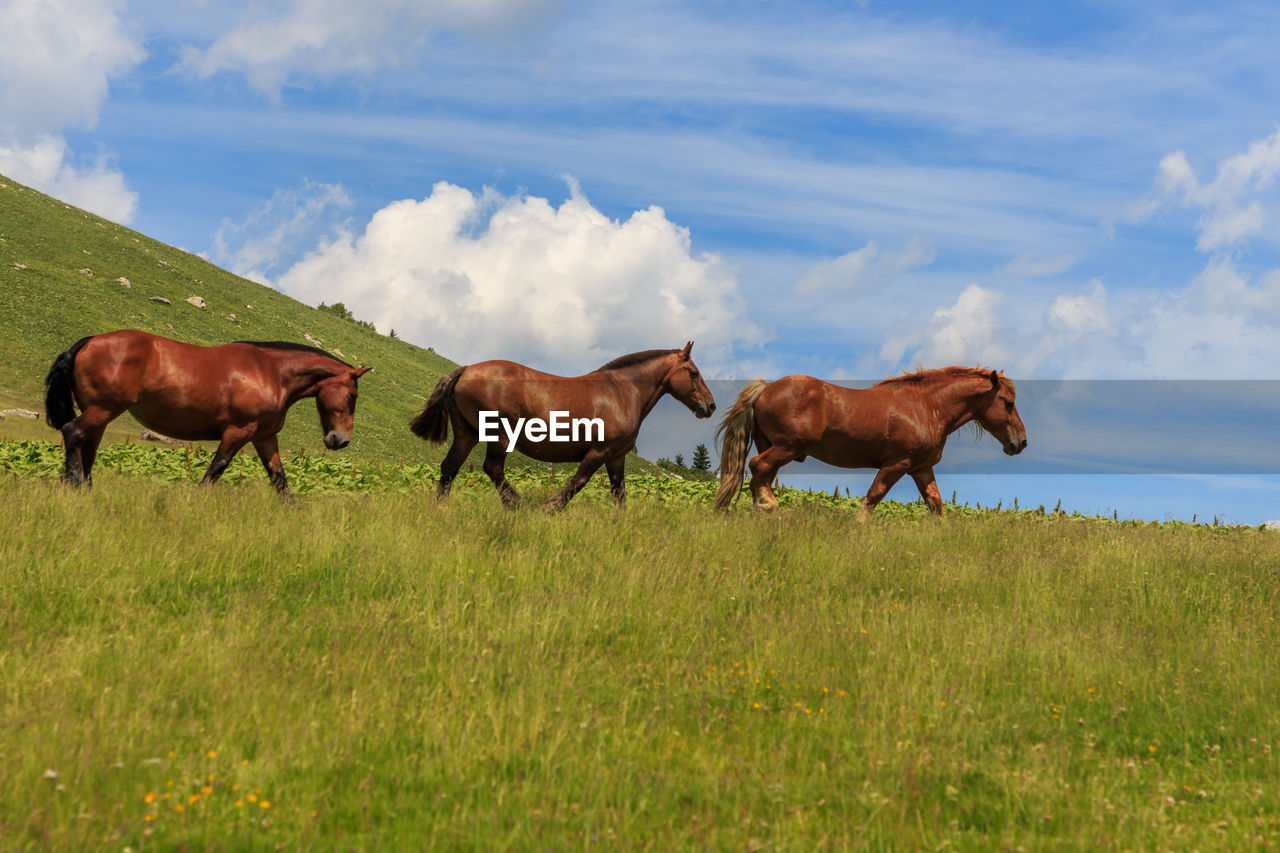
(899, 426)
(233, 394)
(618, 395)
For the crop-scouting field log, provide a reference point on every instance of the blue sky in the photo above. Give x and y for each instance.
(1073, 190)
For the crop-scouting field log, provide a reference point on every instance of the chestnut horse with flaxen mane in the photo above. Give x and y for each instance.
(620, 393)
(899, 426)
(232, 394)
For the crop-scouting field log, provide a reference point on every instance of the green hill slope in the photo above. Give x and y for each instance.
(62, 277)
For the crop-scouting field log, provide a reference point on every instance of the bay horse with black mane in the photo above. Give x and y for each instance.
(899, 426)
(620, 394)
(232, 394)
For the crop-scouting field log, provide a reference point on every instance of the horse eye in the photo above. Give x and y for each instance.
(1008, 406)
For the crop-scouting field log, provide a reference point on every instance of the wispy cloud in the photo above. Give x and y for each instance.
(291, 222)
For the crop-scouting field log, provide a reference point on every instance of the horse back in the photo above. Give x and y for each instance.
(520, 391)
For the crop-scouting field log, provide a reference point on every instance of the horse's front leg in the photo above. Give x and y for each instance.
(269, 452)
(616, 468)
(880, 486)
(590, 463)
(233, 438)
(928, 487)
(495, 465)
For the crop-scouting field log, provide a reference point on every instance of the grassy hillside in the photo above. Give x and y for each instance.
(48, 301)
(375, 670)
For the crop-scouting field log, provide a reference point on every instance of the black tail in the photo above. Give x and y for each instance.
(433, 422)
(59, 397)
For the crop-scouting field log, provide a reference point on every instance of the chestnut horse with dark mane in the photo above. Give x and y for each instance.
(899, 426)
(620, 394)
(233, 394)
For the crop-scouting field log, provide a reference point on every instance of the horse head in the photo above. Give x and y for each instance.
(684, 382)
(336, 400)
(998, 415)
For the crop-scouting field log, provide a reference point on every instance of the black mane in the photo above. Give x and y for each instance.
(634, 358)
(290, 345)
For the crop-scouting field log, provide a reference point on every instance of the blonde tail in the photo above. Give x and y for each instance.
(733, 440)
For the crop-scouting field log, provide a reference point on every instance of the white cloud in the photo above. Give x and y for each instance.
(862, 268)
(967, 332)
(1229, 215)
(563, 288)
(1080, 313)
(57, 61)
(328, 37)
(55, 69)
(1222, 323)
(279, 229)
(47, 166)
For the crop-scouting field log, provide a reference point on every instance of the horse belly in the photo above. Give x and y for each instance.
(848, 451)
(177, 421)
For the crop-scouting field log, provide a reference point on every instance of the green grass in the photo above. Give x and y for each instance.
(389, 672)
(49, 305)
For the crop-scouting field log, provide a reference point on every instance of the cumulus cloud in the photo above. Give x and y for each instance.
(862, 268)
(328, 37)
(281, 228)
(1080, 313)
(1229, 215)
(55, 69)
(57, 62)
(564, 288)
(966, 332)
(48, 166)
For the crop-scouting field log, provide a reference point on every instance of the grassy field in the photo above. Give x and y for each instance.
(200, 668)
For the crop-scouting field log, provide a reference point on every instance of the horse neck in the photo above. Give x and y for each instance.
(302, 373)
(643, 383)
(957, 401)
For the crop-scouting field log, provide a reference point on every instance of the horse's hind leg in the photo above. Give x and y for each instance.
(232, 440)
(269, 452)
(464, 441)
(880, 486)
(495, 462)
(80, 438)
(764, 467)
(616, 468)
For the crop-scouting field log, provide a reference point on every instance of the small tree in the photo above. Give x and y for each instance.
(679, 460)
(701, 458)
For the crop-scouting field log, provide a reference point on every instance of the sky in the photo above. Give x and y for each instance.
(1071, 191)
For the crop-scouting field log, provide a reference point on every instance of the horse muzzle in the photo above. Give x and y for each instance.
(334, 441)
(1013, 448)
(705, 410)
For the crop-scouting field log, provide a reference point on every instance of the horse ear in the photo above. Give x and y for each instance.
(995, 378)
(684, 353)
(361, 371)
